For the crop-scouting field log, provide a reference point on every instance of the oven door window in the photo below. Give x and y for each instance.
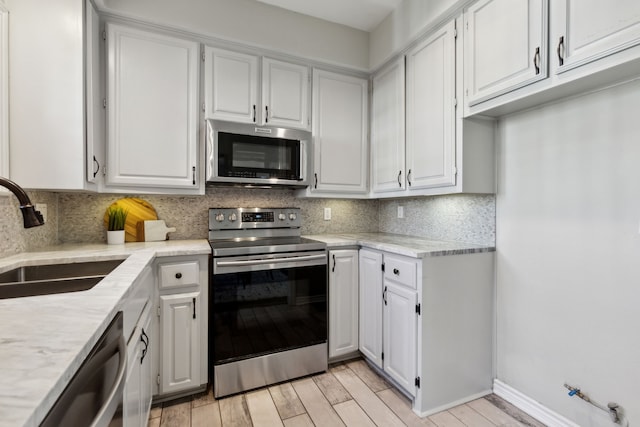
(245, 156)
(262, 312)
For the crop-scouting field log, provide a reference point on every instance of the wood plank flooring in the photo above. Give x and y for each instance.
(349, 394)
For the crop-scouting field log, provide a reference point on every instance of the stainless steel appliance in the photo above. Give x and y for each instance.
(94, 395)
(249, 155)
(268, 319)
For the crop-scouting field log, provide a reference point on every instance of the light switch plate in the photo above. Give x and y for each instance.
(400, 211)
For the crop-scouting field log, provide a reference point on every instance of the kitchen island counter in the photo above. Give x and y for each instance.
(416, 247)
(45, 339)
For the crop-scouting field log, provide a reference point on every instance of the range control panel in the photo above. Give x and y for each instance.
(241, 218)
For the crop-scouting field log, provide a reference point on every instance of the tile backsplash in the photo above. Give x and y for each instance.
(78, 217)
(467, 218)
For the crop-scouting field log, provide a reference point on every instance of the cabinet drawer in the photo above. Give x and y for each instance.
(401, 270)
(178, 275)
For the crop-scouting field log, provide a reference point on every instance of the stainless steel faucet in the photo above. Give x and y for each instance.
(32, 217)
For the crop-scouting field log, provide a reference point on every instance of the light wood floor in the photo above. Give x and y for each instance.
(349, 394)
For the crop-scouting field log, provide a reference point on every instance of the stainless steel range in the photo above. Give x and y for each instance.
(268, 319)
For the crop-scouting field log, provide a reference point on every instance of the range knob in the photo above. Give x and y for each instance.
(292, 216)
(282, 217)
(219, 217)
(232, 217)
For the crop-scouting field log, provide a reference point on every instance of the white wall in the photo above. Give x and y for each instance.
(568, 253)
(256, 24)
(404, 25)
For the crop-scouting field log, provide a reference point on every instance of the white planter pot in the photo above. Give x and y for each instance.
(115, 237)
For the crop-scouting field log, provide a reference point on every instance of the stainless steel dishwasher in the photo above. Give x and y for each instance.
(94, 395)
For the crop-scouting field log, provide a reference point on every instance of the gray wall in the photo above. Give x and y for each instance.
(568, 252)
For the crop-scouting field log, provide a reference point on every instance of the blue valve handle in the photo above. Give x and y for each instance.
(574, 392)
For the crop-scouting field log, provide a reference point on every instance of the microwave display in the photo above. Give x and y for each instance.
(246, 156)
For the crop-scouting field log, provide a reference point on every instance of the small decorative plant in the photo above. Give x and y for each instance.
(117, 217)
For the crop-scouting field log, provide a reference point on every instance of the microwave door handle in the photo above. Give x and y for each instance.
(269, 260)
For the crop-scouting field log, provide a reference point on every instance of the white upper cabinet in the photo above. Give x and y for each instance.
(285, 94)
(4, 91)
(506, 47)
(587, 30)
(387, 128)
(47, 94)
(431, 113)
(340, 133)
(231, 82)
(236, 91)
(152, 109)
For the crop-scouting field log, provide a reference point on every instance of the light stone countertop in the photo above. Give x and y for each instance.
(416, 247)
(45, 339)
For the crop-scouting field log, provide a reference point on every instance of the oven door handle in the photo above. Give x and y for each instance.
(270, 260)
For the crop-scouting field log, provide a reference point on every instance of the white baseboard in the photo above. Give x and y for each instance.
(530, 406)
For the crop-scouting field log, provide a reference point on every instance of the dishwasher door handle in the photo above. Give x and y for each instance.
(109, 407)
(263, 261)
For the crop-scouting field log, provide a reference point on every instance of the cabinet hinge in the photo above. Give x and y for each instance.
(455, 102)
(158, 379)
(203, 107)
(455, 171)
(467, 24)
(104, 35)
(418, 308)
(158, 311)
(383, 266)
(104, 170)
(104, 102)
(417, 382)
(203, 56)
(455, 33)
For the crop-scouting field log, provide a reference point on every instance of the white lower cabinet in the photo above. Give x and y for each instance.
(370, 266)
(182, 306)
(343, 303)
(399, 319)
(427, 323)
(140, 351)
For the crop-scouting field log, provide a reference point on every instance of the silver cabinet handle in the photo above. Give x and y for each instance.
(270, 260)
(536, 60)
(560, 51)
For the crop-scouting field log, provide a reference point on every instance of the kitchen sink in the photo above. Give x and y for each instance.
(53, 279)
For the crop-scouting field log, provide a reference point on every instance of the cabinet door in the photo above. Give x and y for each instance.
(180, 336)
(231, 86)
(387, 130)
(131, 405)
(152, 109)
(340, 123)
(343, 302)
(4, 93)
(587, 30)
(431, 111)
(400, 326)
(285, 94)
(371, 305)
(505, 46)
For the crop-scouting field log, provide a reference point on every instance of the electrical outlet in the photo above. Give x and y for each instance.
(42, 207)
(327, 214)
(400, 211)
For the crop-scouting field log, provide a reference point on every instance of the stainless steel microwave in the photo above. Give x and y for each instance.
(250, 155)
